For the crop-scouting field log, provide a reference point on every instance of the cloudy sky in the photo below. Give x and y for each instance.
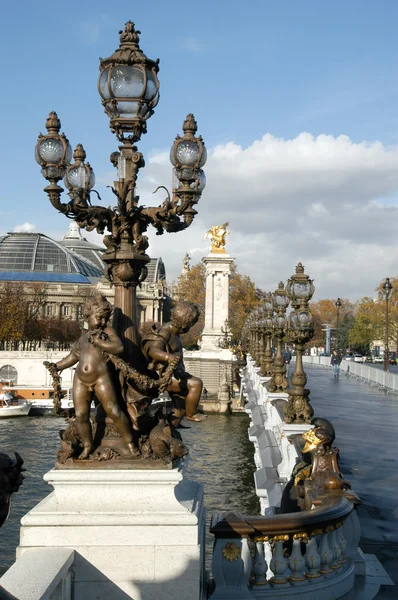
(297, 103)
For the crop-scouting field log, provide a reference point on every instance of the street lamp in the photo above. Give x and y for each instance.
(224, 342)
(300, 290)
(129, 88)
(267, 325)
(387, 288)
(278, 381)
(338, 306)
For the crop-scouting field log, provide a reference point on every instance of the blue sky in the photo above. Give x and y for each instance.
(244, 70)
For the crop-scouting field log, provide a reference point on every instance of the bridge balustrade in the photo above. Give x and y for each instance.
(296, 554)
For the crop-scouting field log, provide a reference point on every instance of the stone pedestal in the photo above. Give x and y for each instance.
(218, 270)
(136, 533)
(215, 405)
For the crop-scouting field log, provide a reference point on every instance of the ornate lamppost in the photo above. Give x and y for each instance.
(129, 87)
(300, 290)
(387, 288)
(338, 306)
(258, 337)
(278, 381)
(224, 342)
(267, 328)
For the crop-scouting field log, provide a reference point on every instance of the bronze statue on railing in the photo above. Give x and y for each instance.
(283, 550)
(123, 424)
(318, 471)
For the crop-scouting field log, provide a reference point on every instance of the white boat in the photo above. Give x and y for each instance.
(12, 407)
(40, 398)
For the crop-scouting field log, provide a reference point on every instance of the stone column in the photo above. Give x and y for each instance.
(218, 270)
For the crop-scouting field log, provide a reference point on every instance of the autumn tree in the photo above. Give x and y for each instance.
(392, 314)
(324, 312)
(243, 298)
(366, 326)
(191, 287)
(19, 309)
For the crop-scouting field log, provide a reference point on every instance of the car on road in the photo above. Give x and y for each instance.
(378, 359)
(358, 358)
(348, 357)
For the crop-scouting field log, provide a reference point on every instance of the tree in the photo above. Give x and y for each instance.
(392, 314)
(243, 298)
(324, 312)
(12, 311)
(366, 326)
(191, 287)
(19, 309)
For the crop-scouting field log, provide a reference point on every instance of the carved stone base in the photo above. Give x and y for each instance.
(136, 533)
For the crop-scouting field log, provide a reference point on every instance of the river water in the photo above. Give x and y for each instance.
(221, 458)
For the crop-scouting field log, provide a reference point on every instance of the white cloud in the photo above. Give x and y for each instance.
(327, 202)
(25, 228)
(193, 45)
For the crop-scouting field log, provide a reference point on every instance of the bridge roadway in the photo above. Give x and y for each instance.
(366, 424)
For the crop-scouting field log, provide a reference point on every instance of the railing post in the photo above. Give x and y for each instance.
(296, 562)
(231, 566)
(260, 566)
(326, 555)
(279, 564)
(335, 548)
(312, 559)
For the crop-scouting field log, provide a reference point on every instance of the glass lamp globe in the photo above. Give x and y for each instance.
(128, 85)
(293, 320)
(53, 151)
(200, 182)
(188, 153)
(80, 177)
(280, 321)
(304, 318)
(132, 89)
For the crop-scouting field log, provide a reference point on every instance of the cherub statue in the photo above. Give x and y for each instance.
(162, 345)
(93, 374)
(217, 234)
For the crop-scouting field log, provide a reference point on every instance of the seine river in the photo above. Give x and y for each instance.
(221, 457)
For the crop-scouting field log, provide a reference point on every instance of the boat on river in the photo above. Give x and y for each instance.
(40, 398)
(13, 407)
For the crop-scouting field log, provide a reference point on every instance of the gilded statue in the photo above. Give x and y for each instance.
(217, 235)
(319, 471)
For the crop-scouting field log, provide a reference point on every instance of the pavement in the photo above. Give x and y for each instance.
(366, 424)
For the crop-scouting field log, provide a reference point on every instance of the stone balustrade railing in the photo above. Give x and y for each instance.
(40, 574)
(275, 450)
(309, 554)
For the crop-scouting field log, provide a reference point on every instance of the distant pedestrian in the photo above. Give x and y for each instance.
(287, 356)
(335, 360)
